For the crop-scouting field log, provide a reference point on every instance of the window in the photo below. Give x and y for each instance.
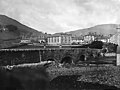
(55, 39)
(58, 39)
(52, 39)
(48, 40)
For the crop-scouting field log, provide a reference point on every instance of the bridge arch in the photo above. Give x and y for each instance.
(67, 59)
(82, 57)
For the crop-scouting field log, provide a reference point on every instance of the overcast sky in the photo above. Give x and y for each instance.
(62, 15)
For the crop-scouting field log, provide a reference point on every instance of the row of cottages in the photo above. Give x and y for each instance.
(60, 39)
(90, 37)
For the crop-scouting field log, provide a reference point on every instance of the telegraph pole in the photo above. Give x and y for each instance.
(118, 47)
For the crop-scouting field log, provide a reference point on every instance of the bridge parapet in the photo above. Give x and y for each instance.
(19, 56)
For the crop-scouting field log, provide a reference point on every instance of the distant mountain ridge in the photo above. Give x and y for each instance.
(8, 37)
(104, 29)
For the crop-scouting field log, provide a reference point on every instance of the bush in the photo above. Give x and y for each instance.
(111, 47)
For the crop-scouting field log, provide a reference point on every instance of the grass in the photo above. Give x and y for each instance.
(108, 75)
(105, 75)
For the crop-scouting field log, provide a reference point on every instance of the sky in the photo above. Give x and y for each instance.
(54, 16)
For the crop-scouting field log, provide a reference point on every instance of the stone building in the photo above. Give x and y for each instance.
(59, 39)
(77, 40)
(89, 38)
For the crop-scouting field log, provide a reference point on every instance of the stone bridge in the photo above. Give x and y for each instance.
(19, 56)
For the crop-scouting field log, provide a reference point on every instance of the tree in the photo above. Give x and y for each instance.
(111, 47)
(96, 44)
(11, 27)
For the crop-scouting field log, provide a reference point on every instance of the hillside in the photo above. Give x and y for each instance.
(14, 31)
(104, 29)
(5, 20)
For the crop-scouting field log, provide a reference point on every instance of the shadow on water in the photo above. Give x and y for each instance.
(71, 83)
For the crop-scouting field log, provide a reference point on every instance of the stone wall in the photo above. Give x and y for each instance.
(18, 57)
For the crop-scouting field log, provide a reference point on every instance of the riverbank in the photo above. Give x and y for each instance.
(64, 78)
(71, 83)
(105, 75)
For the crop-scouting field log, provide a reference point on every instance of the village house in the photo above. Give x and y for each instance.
(114, 39)
(90, 37)
(25, 41)
(104, 39)
(77, 40)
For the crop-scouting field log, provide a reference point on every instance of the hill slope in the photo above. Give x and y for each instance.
(5, 20)
(104, 29)
(13, 35)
